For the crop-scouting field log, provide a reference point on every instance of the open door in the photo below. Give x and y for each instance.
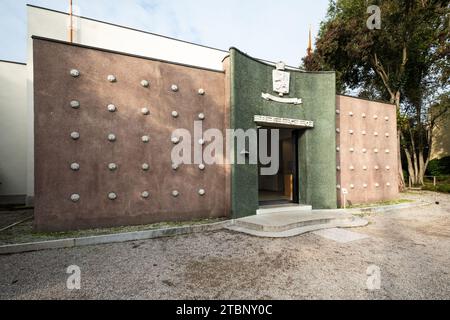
(281, 188)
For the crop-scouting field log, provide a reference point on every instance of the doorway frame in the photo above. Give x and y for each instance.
(296, 170)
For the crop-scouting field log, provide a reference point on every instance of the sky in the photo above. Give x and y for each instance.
(275, 30)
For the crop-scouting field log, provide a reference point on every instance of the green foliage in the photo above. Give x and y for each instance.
(444, 188)
(415, 27)
(439, 167)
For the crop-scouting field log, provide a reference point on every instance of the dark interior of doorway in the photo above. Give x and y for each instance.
(281, 188)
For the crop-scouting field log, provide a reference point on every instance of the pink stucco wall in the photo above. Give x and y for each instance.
(366, 140)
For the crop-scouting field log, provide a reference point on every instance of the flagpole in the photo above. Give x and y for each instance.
(71, 22)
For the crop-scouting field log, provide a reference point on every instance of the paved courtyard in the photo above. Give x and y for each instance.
(411, 247)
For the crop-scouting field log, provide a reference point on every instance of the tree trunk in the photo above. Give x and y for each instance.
(401, 176)
(410, 167)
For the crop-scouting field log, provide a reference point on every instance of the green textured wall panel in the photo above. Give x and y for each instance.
(317, 146)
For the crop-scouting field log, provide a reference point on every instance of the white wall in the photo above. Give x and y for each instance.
(13, 133)
(51, 24)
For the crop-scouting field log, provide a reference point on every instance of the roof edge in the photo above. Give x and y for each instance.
(13, 62)
(272, 64)
(367, 99)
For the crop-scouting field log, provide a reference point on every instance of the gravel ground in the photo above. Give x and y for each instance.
(411, 247)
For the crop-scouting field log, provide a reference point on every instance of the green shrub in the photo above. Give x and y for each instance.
(439, 167)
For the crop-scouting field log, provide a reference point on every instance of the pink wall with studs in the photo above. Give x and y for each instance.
(366, 141)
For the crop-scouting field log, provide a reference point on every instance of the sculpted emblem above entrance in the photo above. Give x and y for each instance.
(281, 85)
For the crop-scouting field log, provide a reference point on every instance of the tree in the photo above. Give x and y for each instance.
(405, 62)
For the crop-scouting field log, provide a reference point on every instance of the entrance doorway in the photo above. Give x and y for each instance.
(281, 188)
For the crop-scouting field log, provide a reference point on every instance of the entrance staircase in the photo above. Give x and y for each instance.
(290, 221)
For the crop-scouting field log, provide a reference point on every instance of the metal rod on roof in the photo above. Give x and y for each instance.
(71, 22)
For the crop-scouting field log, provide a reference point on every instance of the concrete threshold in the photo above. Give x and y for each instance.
(290, 224)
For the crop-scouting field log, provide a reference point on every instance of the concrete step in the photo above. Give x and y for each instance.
(283, 208)
(281, 225)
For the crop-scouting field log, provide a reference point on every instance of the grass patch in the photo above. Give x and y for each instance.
(443, 188)
(24, 232)
(380, 204)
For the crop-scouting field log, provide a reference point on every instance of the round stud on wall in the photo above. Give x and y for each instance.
(338, 112)
(352, 186)
(145, 167)
(386, 118)
(145, 111)
(377, 185)
(350, 114)
(388, 168)
(376, 150)
(175, 193)
(202, 167)
(75, 197)
(112, 167)
(375, 134)
(75, 166)
(112, 137)
(387, 135)
(201, 142)
(377, 168)
(74, 104)
(352, 150)
(388, 184)
(174, 88)
(364, 150)
(338, 149)
(351, 131)
(112, 196)
(387, 151)
(175, 167)
(365, 185)
(365, 168)
(112, 108)
(112, 78)
(175, 114)
(338, 168)
(75, 135)
(145, 83)
(75, 73)
(364, 133)
(201, 92)
(201, 116)
(201, 192)
(338, 187)
(352, 168)
(364, 115)
(375, 117)
(145, 195)
(338, 130)
(145, 139)
(175, 140)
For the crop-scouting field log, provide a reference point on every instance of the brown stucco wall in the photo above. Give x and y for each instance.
(55, 182)
(379, 118)
(441, 139)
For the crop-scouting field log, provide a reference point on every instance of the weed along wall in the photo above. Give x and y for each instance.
(250, 79)
(103, 139)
